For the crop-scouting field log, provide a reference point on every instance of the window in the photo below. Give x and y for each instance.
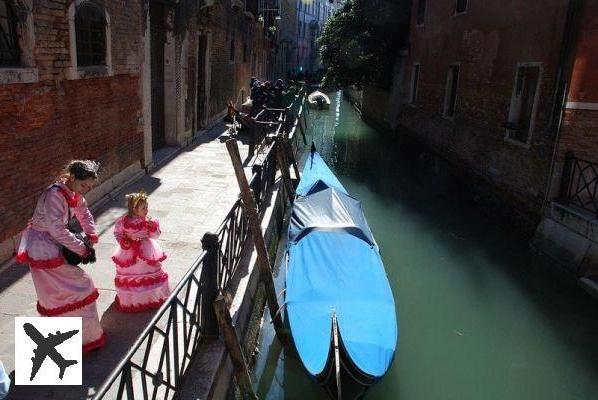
(414, 83)
(17, 62)
(461, 6)
(524, 101)
(421, 12)
(10, 54)
(450, 96)
(90, 32)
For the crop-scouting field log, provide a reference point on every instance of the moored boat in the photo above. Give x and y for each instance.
(318, 100)
(339, 303)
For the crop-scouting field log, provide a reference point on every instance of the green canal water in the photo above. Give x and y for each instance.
(479, 318)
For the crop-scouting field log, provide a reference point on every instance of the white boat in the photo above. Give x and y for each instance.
(318, 100)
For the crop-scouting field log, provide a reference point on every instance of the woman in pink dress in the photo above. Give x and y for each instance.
(140, 282)
(63, 289)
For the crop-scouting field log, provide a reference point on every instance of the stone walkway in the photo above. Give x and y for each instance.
(190, 194)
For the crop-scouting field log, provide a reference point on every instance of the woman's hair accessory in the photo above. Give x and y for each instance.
(92, 166)
(83, 169)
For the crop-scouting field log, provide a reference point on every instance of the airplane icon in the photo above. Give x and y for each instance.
(47, 347)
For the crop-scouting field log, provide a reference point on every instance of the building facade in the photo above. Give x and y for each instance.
(569, 227)
(112, 81)
(479, 88)
(302, 21)
(507, 92)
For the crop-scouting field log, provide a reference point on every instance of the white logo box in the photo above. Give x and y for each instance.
(47, 332)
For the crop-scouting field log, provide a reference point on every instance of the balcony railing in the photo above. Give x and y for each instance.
(580, 184)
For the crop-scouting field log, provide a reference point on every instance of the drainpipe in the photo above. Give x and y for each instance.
(563, 79)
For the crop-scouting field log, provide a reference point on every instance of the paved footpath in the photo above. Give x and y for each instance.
(190, 195)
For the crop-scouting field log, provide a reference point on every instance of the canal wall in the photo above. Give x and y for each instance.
(372, 103)
(499, 205)
(563, 237)
(568, 237)
(447, 174)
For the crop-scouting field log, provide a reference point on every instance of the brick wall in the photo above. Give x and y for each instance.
(45, 124)
(375, 105)
(487, 43)
(579, 135)
(579, 131)
(229, 79)
(584, 80)
(51, 50)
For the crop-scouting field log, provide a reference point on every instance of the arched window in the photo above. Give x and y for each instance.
(232, 50)
(10, 53)
(90, 33)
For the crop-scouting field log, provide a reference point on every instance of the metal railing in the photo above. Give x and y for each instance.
(157, 361)
(580, 183)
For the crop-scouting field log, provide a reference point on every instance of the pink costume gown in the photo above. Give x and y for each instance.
(62, 289)
(140, 282)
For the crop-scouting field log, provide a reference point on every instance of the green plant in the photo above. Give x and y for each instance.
(359, 43)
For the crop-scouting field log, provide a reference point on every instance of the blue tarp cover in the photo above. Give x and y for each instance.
(315, 170)
(328, 209)
(337, 269)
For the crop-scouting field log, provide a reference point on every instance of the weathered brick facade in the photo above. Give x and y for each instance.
(52, 111)
(55, 118)
(230, 75)
(579, 130)
(488, 43)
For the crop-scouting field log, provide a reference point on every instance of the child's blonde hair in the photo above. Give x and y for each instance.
(134, 199)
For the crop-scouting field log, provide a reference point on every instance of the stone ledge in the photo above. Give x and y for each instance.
(569, 237)
(577, 220)
(18, 75)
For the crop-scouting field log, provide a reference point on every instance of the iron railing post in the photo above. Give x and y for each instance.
(257, 170)
(566, 178)
(209, 279)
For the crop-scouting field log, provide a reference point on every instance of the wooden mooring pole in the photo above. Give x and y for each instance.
(258, 239)
(234, 348)
(283, 162)
(291, 156)
(301, 129)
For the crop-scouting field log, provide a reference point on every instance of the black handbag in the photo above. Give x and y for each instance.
(70, 256)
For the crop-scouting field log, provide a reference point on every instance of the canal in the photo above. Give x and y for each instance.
(479, 318)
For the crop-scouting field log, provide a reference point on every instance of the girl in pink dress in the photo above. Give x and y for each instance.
(140, 282)
(62, 289)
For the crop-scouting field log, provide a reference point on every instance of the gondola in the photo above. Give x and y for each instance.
(339, 303)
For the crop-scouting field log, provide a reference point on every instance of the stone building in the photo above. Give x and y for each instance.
(479, 87)
(508, 92)
(568, 232)
(302, 21)
(112, 81)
